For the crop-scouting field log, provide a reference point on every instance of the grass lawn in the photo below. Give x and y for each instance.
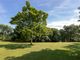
(40, 51)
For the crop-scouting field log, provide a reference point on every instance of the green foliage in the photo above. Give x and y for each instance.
(70, 33)
(5, 32)
(30, 22)
(54, 34)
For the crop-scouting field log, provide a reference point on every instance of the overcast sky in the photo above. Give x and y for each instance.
(61, 12)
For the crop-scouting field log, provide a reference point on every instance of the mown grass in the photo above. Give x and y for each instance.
(40, 51)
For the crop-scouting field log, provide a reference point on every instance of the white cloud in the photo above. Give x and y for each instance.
(60, 8)
(60, 24)
(68, 8)
(63, 5)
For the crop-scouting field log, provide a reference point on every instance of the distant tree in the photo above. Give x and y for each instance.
(30, 23)
(79, 13)
(5, 32)
(56, 35)
(70, 33)
(53, 34)
(62, 35)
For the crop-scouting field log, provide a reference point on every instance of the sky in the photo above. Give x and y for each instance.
(61, 12)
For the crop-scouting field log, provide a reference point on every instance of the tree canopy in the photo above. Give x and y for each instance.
(30, 22)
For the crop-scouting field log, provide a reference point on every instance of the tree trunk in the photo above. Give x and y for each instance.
(31, 42)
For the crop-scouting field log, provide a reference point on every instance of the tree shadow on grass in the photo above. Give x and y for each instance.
(46, 54)
(74, 49)
(15, 46)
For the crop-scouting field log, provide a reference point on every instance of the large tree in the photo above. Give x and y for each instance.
(30, 22)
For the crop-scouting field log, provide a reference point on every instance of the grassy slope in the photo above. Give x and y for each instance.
(39, 51)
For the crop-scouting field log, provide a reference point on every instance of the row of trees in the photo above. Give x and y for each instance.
(31, 26)
(67, 34)
(70, 33)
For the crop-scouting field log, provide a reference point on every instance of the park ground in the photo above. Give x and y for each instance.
(40, 51)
